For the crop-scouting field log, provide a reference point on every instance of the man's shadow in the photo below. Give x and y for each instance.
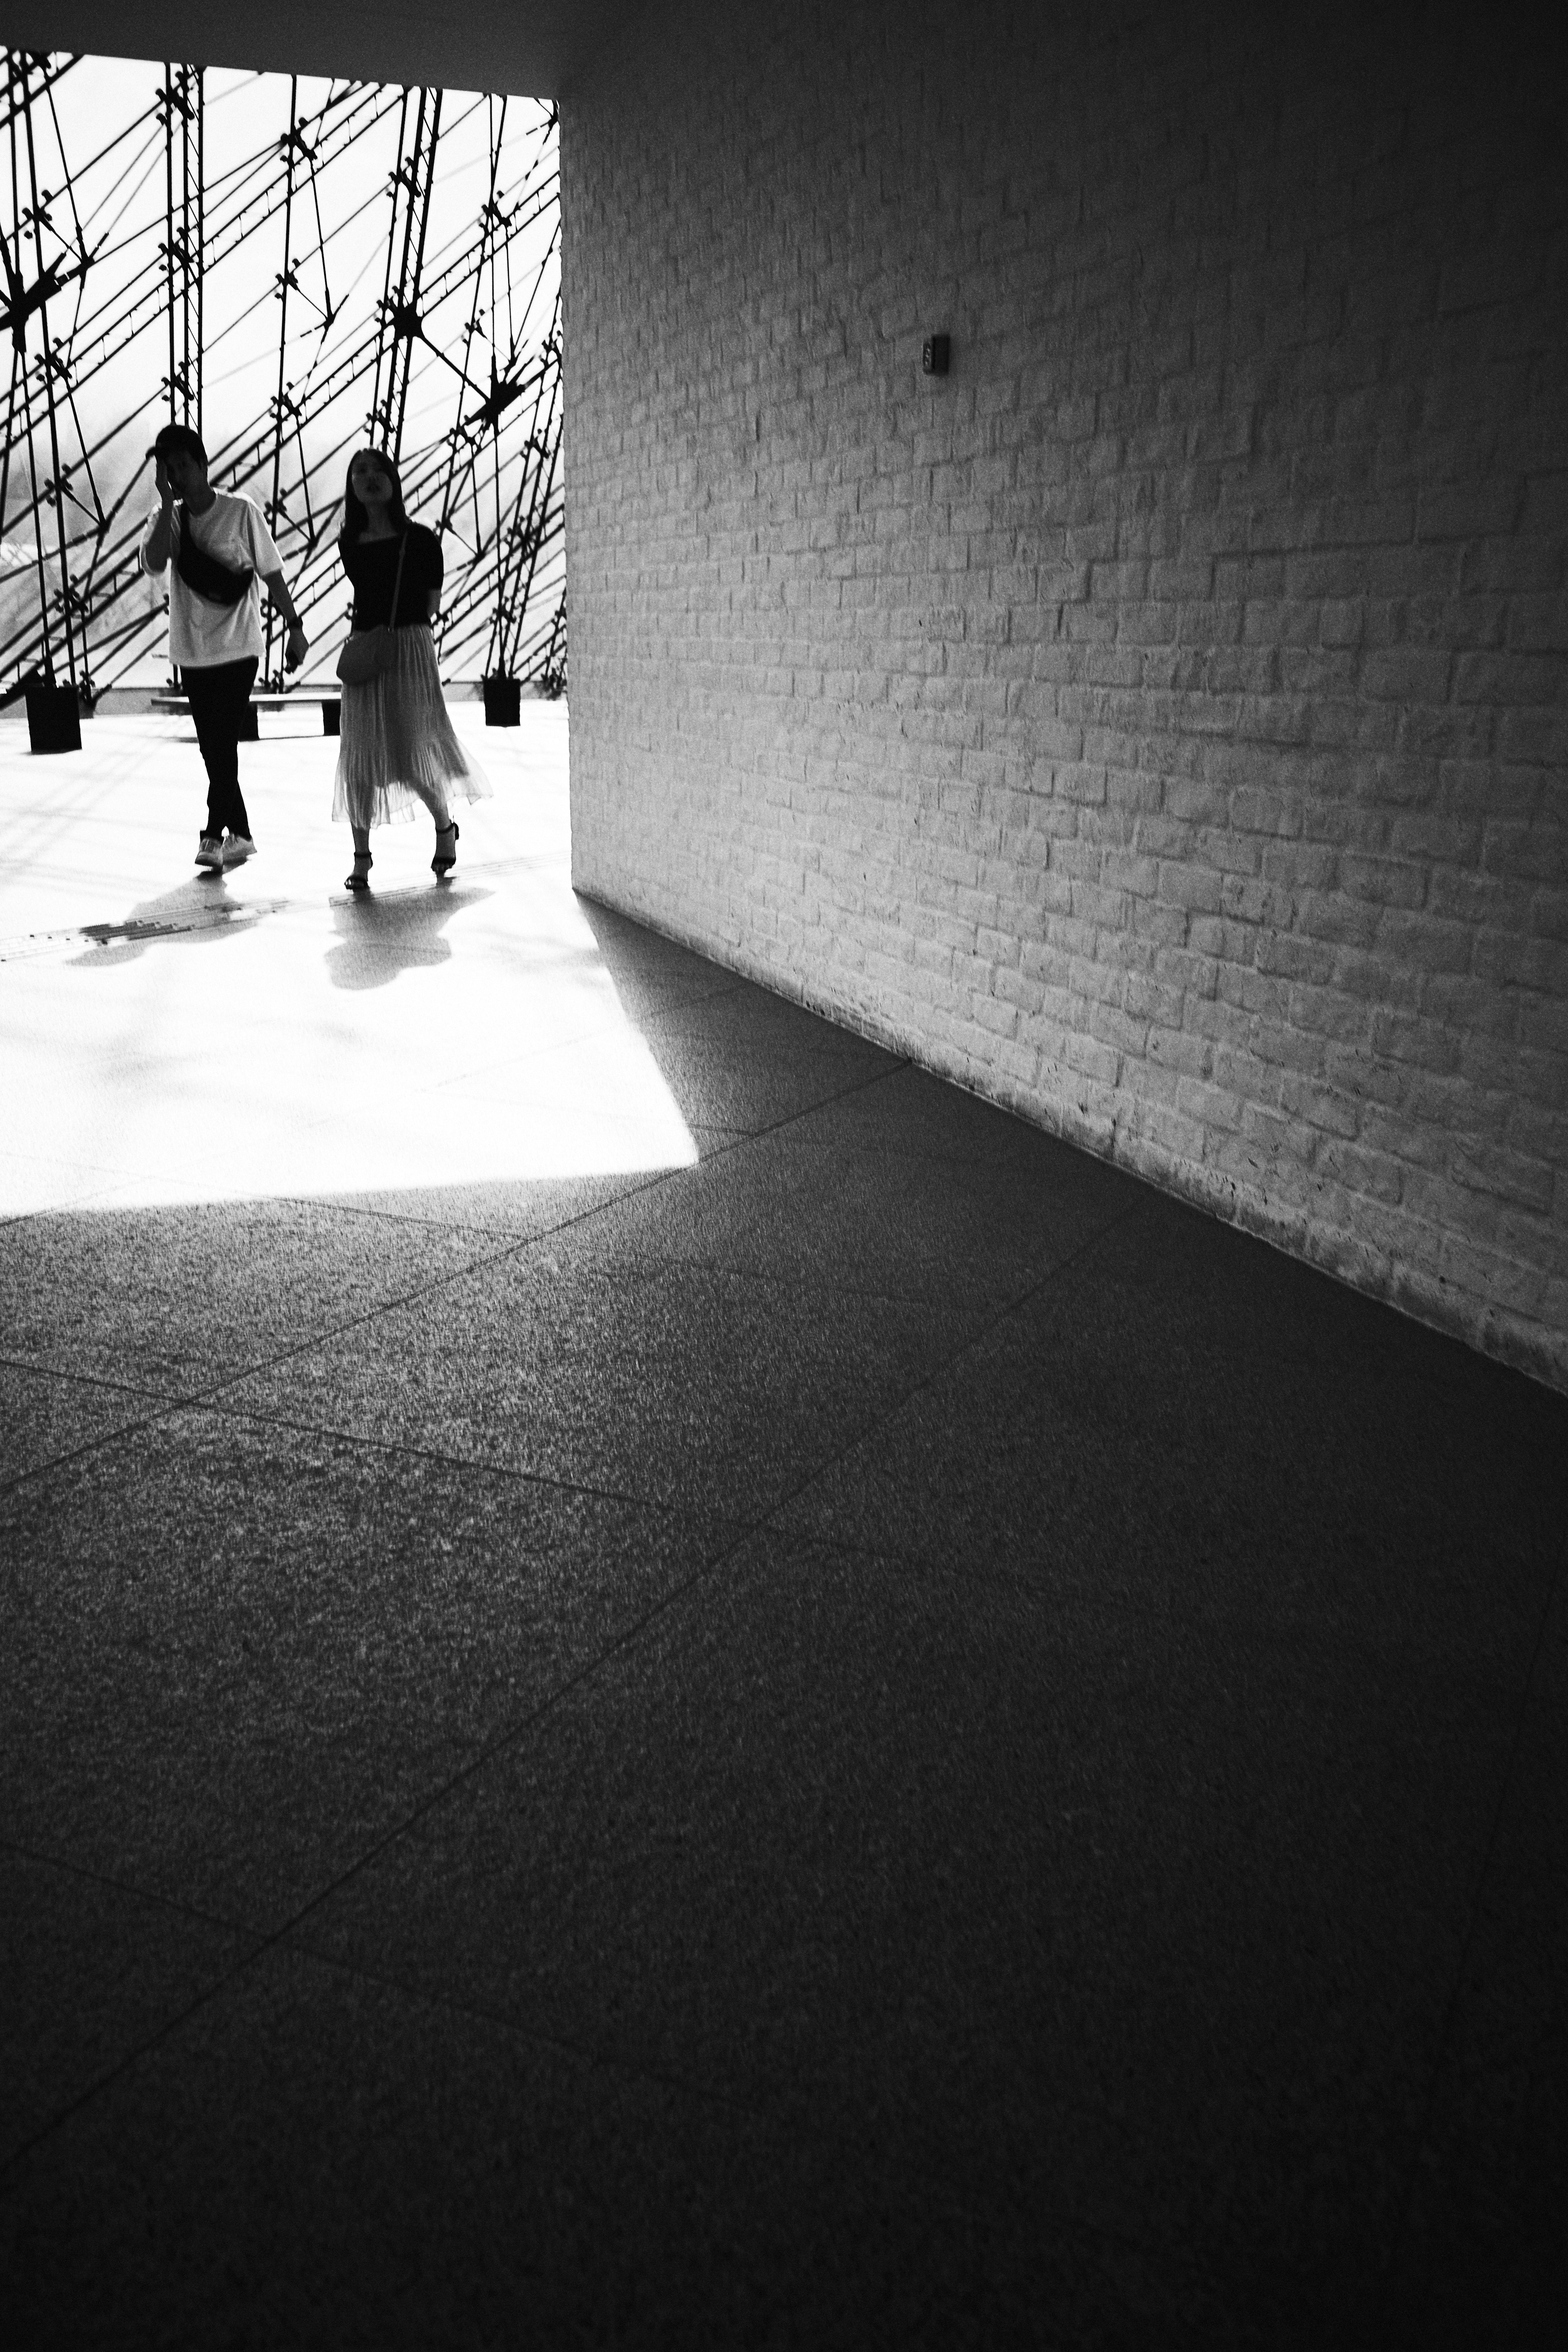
(193, 913)
(382, 933)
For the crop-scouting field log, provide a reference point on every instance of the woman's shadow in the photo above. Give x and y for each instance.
(382, 933)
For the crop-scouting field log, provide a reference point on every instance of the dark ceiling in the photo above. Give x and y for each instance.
(528, 46)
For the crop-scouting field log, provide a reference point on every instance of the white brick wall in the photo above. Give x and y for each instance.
(1158, 725)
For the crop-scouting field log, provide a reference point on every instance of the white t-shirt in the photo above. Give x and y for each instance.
(200, 631)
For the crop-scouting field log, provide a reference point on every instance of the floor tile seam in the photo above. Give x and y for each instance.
(746, 1139)
(407, 1218)
(330, 1334)
(736, 1541)
(714, 1058)
(12, 2162)
(945, 1364)
(78, 1376)
(263, 1945)
(173, 1908)
(760, 2108)
(583, 2053)
(802, 1286)
(212, 1403)
(366, 1442)
(684, 1001)
(1447, 2029)
(1122, 1614)
(740, 1140)
(681, 1005)
(519, 1244)
(561, 1041)
(448, 1277)
(288, 1931)
(207, 1395)
(1001, 1582)
(803, 1283)
(515, 1732)
(752, 1136)
(91, 1446)
(508, 1243)
(737, 1538)
(786, 1013)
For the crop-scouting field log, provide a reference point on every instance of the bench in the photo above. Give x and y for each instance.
(330, 706)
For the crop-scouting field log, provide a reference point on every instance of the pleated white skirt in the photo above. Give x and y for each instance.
(396, 742)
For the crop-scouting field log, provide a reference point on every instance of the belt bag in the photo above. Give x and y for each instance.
(205, 574)
(370, 651)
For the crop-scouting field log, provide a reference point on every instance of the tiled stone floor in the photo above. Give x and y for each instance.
(718, 1696)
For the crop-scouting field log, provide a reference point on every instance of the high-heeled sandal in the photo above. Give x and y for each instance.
(439, 864)
(358, 877)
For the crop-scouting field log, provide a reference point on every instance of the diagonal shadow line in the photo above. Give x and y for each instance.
(288, 1931)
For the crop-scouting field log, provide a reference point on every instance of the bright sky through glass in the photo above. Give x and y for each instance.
(100, 118)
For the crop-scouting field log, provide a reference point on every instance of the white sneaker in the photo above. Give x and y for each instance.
(209, 851)
(236, 848)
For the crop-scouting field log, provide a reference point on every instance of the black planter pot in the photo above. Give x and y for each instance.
(54, 718)
(503, 702)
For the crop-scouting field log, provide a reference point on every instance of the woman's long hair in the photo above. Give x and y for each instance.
(355, 515)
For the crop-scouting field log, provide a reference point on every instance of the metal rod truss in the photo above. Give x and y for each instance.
(181, 106)
(135, 289)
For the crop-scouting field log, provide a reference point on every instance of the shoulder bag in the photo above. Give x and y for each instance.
(370, 651)
(204, 573)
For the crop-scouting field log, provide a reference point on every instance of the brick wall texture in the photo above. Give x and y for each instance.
(1159, 724)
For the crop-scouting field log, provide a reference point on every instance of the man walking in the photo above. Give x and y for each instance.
(220, 546)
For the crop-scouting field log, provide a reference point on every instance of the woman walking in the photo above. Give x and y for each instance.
(397, 744)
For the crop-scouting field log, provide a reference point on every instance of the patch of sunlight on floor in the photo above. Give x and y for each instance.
(167, 1036)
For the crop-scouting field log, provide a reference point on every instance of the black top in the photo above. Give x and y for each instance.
(371, 566)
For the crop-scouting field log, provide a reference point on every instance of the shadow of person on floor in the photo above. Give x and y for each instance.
(382, 933)
(198, 910)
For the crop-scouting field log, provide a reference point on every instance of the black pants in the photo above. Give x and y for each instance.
(219, 696)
